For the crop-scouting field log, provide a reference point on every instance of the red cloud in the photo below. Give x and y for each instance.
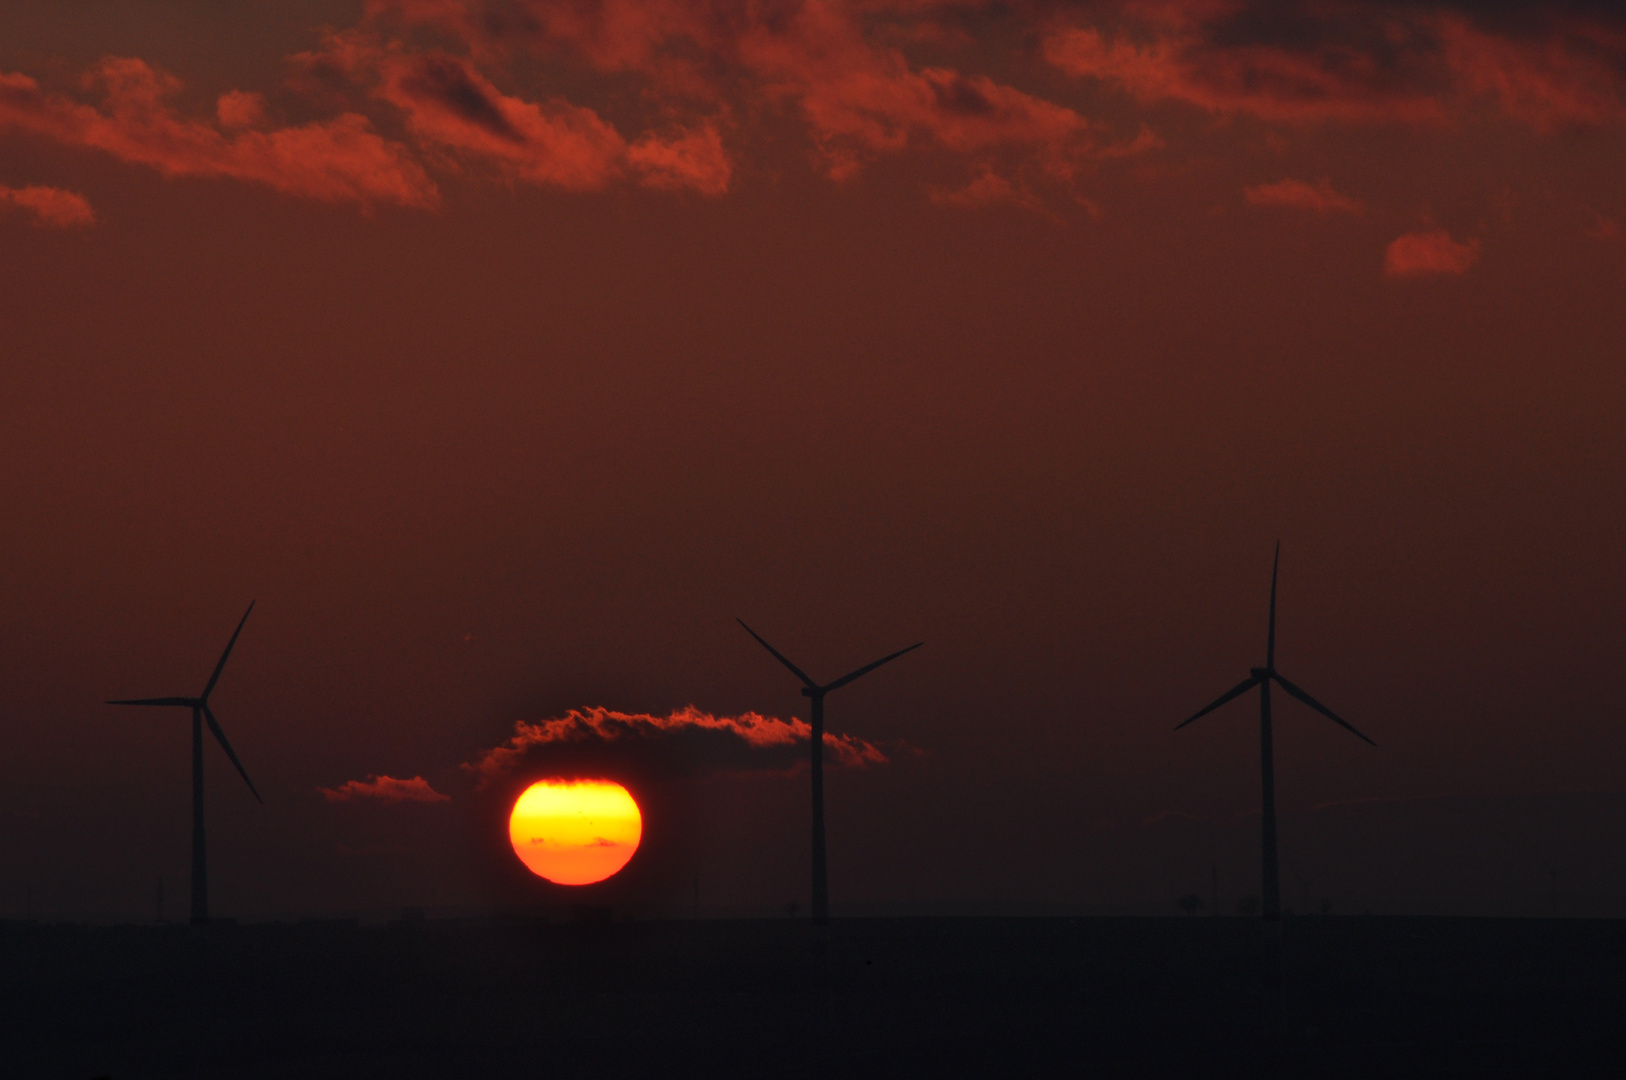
(457, 110)
(829, 62)
(385, 789)
(690, 84)
(861, 98)
(986, 188)
(599, 725)
(1574, 78)
(685, 159)
(1177, 63)
(1319, 197)
(448, 102)
(1349, 62)
(337, 160)
(1417, 254)
(240, 109)
(51, 207)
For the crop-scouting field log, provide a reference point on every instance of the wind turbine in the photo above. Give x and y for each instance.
(1262, 678)
(812, 690)
(201, 714)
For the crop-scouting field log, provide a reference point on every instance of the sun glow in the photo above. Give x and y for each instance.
(575, 832)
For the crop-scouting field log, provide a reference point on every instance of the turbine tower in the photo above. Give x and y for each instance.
(812, 690)
(1262, 678)
(201, 714)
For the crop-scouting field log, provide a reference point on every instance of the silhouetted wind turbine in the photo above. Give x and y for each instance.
(1262, 678)
(811, 689)
(200, 714)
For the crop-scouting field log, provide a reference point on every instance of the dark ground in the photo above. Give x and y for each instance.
(1361, 997)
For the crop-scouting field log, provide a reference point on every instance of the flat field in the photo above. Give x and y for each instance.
(1361, 997)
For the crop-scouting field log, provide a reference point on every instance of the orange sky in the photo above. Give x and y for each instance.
(507, 352)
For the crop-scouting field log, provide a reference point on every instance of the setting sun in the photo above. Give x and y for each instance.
(575, 832)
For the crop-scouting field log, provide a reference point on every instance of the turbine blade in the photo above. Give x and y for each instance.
(777, 655)
(1236, 691)
(183, 702)
(1320, 708)
(214, 726)
(867, 668)
(1270, 639)
(222, 665)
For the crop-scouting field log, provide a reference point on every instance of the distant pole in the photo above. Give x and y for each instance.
(200, 876)
(160, 898)
(28, 903)
(821, 881)
(1554, 874)
(697, 896)
(1213, 912)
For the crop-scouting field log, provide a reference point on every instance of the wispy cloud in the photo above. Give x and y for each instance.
(341, 159)
(704, 739)
(1429, 253)
(1603, 228)
(686, 95)
(1348, 63)
(454, 109)
(1319, 197)
(50, 207)
(385, 789)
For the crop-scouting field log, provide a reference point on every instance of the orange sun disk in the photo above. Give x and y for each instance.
(575, 832)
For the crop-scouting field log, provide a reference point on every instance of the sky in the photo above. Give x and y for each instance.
(505, 352)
